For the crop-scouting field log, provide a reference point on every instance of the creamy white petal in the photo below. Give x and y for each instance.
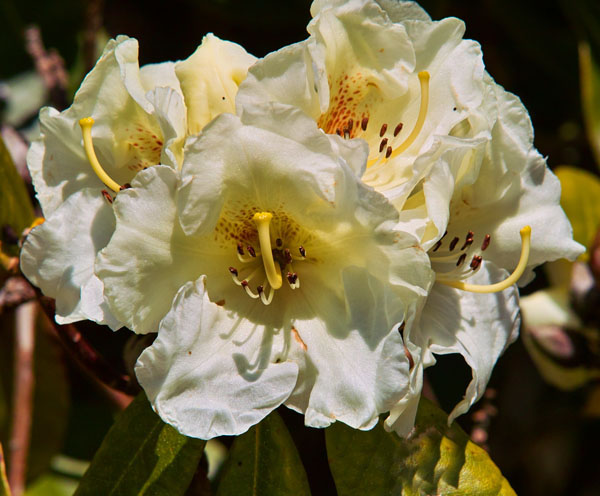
(137, 267)
(58, 257)
(210, 78)
(209, 374)
(478, 326)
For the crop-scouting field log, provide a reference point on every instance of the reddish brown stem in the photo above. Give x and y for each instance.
(22, 396)
(86, 356)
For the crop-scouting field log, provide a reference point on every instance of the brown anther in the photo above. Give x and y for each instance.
(398, 129)
(363, 123)
(388, 152)
(302, 251)
(240, 248)
(486, 242)
(461, 259)
(383, 144)
(350, 124)
(251, 251)
(476, 262)
(468, 240)
(382, 130)
(233, 271)
(338, 132)
(287, 256)
(260, 289)
(401, 328)
(125, 186)
(107, 196)
(279, 242)
(244, 283)
(437, 245)
(292, 277)
(453, 243)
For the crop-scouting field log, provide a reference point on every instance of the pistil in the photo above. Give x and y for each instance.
(272, 270)
(86, 129)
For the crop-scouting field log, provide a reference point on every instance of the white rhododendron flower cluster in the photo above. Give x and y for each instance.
(308, 229)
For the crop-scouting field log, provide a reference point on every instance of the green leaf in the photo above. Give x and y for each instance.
(580, 198)
(15, 206)
(4, 489)
(264, 462)
(52, 485)
(435, 460)
(142, 455)
(589, 76)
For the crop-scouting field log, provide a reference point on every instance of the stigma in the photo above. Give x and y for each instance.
(268, 261)
(469, 250)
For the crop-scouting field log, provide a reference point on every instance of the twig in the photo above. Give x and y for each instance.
(22, 396)
(93, 23)
(81, 351)
(16, 290)
(49, 65)
(4, 487)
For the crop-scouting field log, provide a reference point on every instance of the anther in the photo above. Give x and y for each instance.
(302, 251)
(125, 186)
(461, 259)
(476, 262)
(453, 243)
(436, 247)
(279, 242)
(502, 285)
(398, 129)
(486, 242)
(468, 240)
(338, 132)
(251, 251)
(382, 130)
(240, 249)
(350, 124)
(260, 289)
(388, 152)
(383, 144)
(107, 196)
(86, 130)
(233, 271)
(363, 123)
(287, 256)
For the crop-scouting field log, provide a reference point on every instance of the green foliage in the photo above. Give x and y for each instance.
(264, 462)
(15, 206)
(142, 455)
(580, 198)
(589, 72)
(436, 459)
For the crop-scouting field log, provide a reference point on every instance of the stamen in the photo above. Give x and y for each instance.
(468, 240)
(382, 130)
(461, 259)
(383, 144)
(509, 281)
(248, 290)
(398, 129)
(486, 242)
(107, 196)
(424, 80)
(388, 152)
(273, 271)
(251, 251)
(86, 130)
(364, 123)
(453, 243)
(302, 251)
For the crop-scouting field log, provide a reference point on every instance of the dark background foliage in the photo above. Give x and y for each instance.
(539, 437)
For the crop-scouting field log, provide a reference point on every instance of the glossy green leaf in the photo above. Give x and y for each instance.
(435, 460)
(15, 206)
(580, 198)
(264, 462)
(4, 489)
(142, 455)
(589, 76)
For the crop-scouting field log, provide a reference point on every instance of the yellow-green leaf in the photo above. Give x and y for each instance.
(264, 462)
(580, 198)
(15, 206)
(436, 459)
(589, 76)
(142, 455)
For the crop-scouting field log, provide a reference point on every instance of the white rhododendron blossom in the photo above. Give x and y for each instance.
(140, 119)
(451, 150)
(273, 274)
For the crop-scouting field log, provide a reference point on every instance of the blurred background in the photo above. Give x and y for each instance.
(540, 417)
